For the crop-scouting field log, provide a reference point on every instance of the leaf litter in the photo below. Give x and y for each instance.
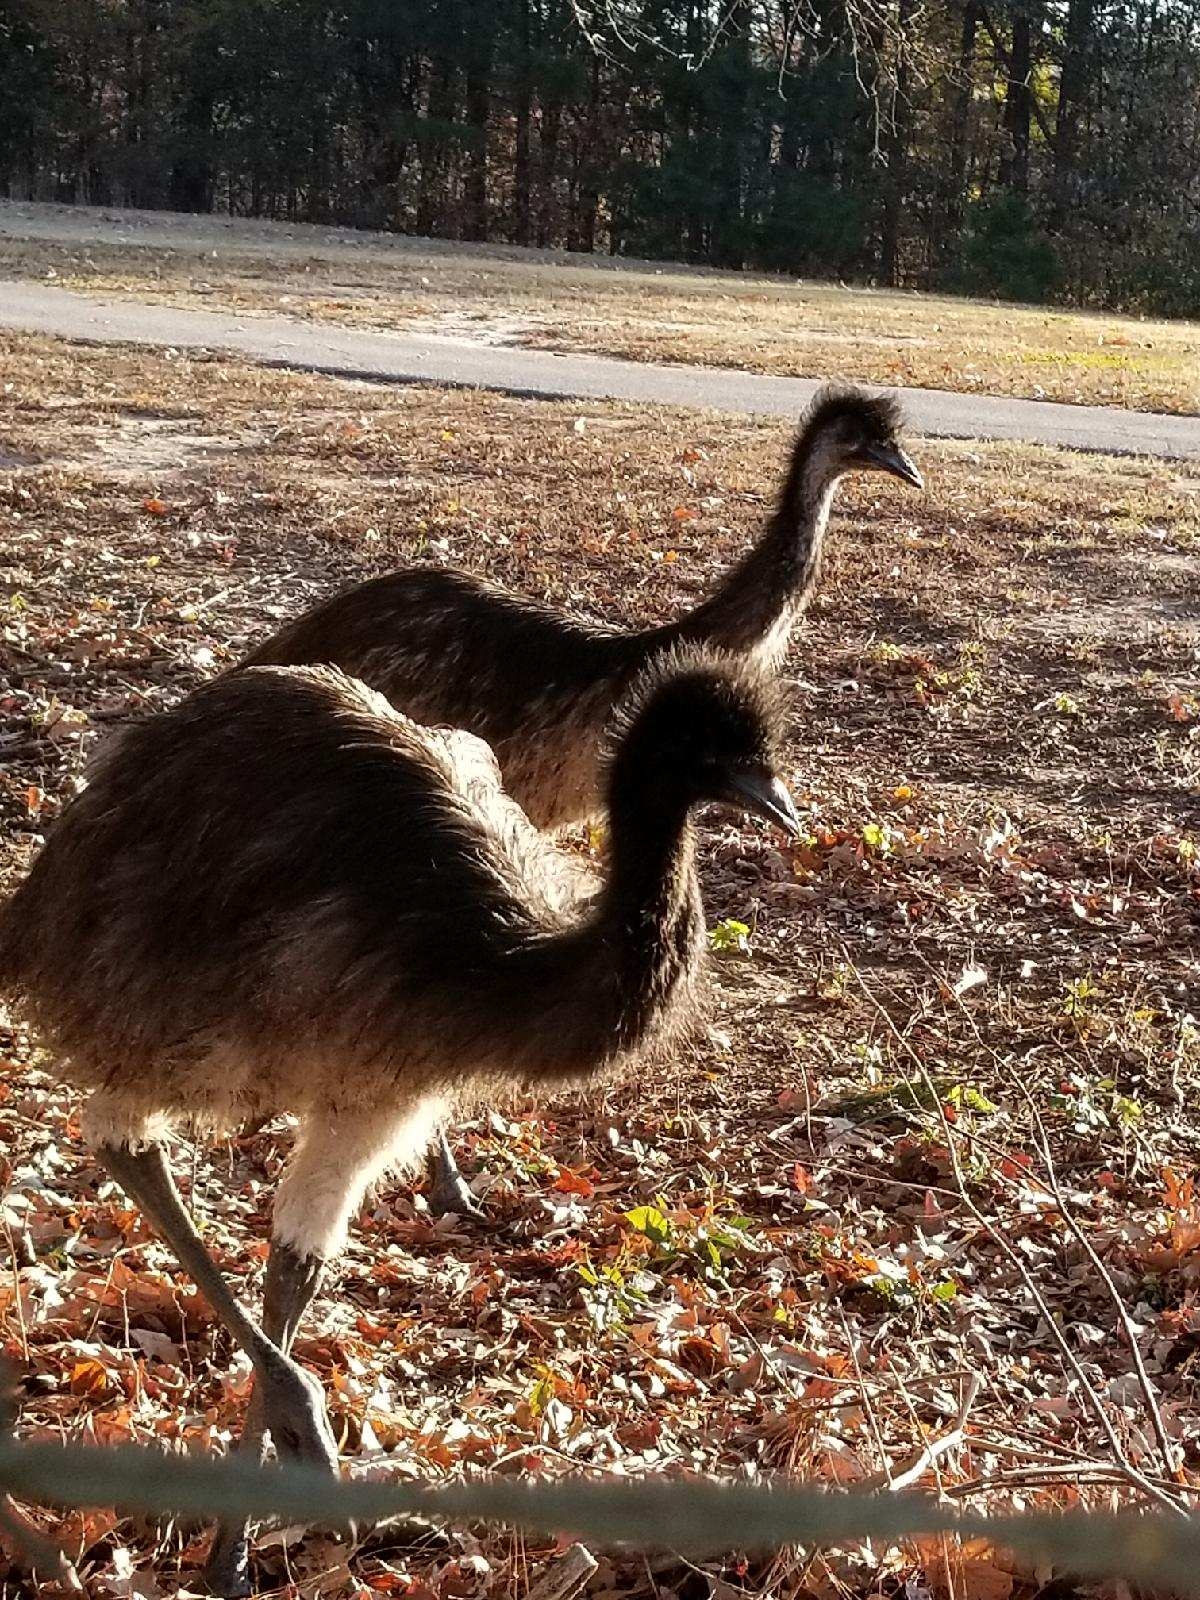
(918, 1207)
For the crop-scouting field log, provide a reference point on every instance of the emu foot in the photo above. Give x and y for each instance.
(291, 1404)
(450, 1192)
(294, 1412)
(227, 1571)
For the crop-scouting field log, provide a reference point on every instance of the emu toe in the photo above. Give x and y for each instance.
(294, 1412)
(450, 1192)
(227, 1573)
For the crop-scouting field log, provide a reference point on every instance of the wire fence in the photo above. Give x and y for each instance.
(694, 1517)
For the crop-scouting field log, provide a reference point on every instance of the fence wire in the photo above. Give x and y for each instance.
(696, 1517)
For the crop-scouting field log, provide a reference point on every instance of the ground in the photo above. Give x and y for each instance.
(550, 300)
(920, 1190)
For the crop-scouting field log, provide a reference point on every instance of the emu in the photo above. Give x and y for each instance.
(448, 648)
(284, 896)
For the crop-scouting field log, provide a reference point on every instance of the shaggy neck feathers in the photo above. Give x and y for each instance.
(579, 998)
(755, 606)
(650, 909)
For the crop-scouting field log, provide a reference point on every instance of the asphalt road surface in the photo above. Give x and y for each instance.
(437, 359)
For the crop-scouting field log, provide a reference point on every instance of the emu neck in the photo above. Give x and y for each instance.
(757, 603)
(651, 908)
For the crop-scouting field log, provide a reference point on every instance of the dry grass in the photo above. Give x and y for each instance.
(645, 314)
(961, 1055)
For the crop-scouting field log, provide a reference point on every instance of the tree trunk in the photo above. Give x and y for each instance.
(522, 169)
(696, 233)
(389, 92)
(547, 232)
(190, 186)
(1018, 105)
(1071, 94)
(960, 125)
(475, 223)
(143, 26)
(728, 231)
(586, 199)
(896, 192)
(318, 202)
(431, 198)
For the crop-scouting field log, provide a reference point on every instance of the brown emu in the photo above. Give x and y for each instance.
(451, 650)
(284, 896)
(447, 648)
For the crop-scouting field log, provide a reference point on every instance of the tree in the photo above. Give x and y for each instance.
(1016, 146)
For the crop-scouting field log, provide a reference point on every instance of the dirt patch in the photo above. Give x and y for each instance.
(1163, 600)
(477, 328)
(164, 448)
(146, 449)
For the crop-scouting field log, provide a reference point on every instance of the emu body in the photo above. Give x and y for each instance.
(284, 896)
(451, 649)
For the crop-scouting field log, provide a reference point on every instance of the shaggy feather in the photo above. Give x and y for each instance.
(283, 895)
(701, 695)
(880, 416)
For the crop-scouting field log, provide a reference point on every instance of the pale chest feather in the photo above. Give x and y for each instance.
(769, 652)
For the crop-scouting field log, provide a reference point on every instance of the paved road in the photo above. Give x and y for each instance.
(412, 358)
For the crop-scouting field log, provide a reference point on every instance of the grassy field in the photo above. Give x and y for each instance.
(636, 311)
(925, 1178)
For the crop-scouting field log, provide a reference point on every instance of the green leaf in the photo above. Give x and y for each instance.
(730, 935)
(650, 1221)
(541, 1394)
(944, 1291)
(1128, 1111)
(962, 1095)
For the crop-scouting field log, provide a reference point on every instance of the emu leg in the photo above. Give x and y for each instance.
(293, 1404)
(449, 1190)
(227, 1570)
(292, 1282)
(335, 1160)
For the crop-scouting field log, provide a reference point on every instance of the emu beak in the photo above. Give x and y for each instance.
(762, 793)
(890, 458)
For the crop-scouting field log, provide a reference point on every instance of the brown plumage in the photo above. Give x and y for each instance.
(284, 896)
(450, 649)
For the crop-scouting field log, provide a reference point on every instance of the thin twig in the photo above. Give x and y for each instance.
(1137, 1479)
(1166, 1450)
(1090, 1473)
(868, 1405)
(942, 1445)
(17, 1296)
